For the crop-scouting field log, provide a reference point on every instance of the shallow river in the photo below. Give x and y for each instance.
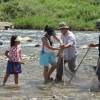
(84, 85)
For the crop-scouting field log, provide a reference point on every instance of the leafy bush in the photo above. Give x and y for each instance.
(35, 14)
(14, 10)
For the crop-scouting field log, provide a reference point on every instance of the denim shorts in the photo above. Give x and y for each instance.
(13, 67)
(46, 58)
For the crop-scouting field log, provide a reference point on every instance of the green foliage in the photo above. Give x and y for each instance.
(35, 14)
(96, 2)
(4, 1)
(13, 9)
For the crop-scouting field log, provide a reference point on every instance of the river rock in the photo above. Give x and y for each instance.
(97, 24)
(1, 43)
(6, 25)
(84, 47)
(37, 45)
(26, 39)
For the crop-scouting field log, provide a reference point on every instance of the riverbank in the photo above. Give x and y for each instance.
(79, 15)
(10, 25)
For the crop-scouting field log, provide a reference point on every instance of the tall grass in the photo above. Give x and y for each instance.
(35, 14)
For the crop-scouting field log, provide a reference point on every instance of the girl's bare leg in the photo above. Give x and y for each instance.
(46, 73)
(54, 66)
(5, 78)
(16, 78)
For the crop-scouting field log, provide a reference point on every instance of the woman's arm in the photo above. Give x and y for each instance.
(44, 40)
(58, 39)
(66, 46)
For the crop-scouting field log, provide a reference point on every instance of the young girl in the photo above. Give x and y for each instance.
(13, 53)
(47, 55)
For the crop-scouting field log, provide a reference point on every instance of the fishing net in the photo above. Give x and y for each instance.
(32, 72)
(85, 76)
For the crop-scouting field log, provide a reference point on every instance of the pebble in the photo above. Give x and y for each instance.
(3, 57)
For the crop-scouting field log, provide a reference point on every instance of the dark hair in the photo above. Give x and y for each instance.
(49, 29)
(46, 28)
(12, 41)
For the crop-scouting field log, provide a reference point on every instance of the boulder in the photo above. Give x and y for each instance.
(37, 45)
(1, 43)
(26, 39)
(84, 47)
(97, 24)
(6, 25)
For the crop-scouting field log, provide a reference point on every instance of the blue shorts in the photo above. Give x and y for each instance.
(46, 58)
(13, 67)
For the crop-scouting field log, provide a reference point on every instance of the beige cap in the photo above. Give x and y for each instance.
(63, 25)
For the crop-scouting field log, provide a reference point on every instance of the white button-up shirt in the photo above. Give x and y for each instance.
(71, 51)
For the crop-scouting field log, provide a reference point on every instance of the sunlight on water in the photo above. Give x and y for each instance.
(83, 86)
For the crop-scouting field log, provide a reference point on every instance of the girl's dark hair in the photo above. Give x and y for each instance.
(12, 41)
(49, 29)
(46, 28)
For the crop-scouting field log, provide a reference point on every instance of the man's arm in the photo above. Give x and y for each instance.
(94, 45)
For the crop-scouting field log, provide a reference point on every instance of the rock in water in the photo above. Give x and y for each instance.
(37, 45)
(26, 39)
(97, 24)
(1, 43)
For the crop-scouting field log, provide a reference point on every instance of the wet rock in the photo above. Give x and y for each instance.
(26, 39)
(56, 97)
(33, 98)
(97, 24)
(31, 57)
(6, 25)
(1, 43)
(24, 56)
(89, 58)
(37, 45)
(84, 47)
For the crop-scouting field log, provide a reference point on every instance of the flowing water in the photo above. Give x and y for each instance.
(84, 85)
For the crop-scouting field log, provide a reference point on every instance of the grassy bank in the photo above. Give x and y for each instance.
(35, 14)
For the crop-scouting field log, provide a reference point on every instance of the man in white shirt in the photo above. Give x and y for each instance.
(69, 50)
